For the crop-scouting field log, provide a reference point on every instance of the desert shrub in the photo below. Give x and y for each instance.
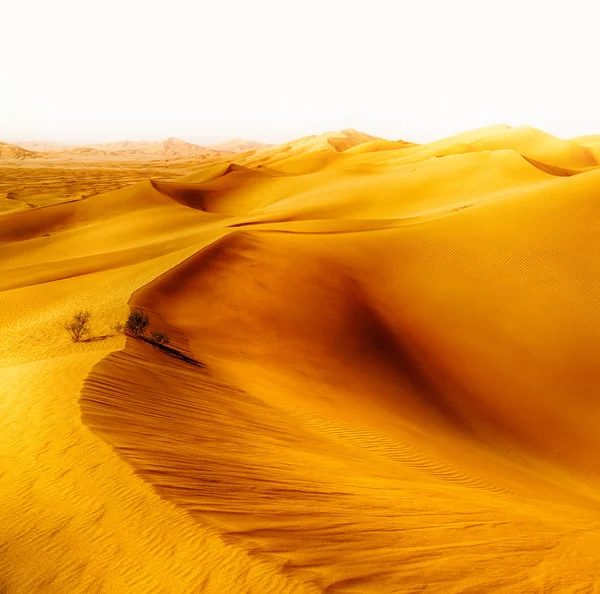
(159, 337)
(137, 322)
(78, 327)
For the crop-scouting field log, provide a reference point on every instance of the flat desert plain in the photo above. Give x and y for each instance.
(382, 375)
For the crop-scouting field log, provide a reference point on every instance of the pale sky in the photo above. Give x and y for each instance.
(205, 71)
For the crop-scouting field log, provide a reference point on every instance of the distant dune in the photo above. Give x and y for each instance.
(587, 138)
(238, 145)
(169, 148)
(381, 373)
(42, 145)
(11, 151)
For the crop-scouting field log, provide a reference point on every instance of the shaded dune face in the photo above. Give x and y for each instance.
(401, 395)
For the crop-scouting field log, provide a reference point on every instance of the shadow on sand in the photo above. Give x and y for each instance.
(171, 351)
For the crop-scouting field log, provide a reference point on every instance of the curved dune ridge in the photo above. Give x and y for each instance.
(381, 374)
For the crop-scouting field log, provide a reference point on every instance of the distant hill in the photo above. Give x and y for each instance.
(11, 151)
(180, 148)
(334, 142)
(42, 145)
(171, 147)
(239, 145)
(349, 138)
(85, 151)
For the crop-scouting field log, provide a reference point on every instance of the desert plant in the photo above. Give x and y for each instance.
(159, 337)
(137, 322)
(78, 327)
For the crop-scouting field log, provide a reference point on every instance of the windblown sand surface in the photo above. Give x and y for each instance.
(382, 374)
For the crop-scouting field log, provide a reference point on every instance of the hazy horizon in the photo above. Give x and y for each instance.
(267, 72)
(198, 141)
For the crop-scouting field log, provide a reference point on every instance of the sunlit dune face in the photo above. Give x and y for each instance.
(370, 366)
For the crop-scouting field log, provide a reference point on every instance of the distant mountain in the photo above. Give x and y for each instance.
(238, 145)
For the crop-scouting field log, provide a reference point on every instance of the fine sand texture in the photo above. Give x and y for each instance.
(381, 373)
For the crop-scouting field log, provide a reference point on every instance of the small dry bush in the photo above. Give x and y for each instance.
(79, 325)
(159, 337)
(137, 322)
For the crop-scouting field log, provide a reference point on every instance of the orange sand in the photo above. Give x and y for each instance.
(395, 387)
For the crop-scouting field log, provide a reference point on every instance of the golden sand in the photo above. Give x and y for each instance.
(382, 378)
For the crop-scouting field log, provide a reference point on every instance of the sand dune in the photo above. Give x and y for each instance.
(328, 141)
(42, 146)
(540, 146)
(168, 148)
(174, 147)
(238, 145)
(11, 151)
(379, 145)
(381, 374)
